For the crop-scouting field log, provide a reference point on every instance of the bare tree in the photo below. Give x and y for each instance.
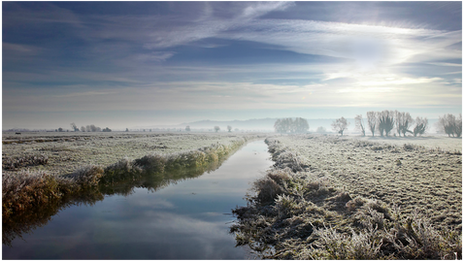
(386, 122)
(403, 122)
(74, 126)
(448, 123)
(216, 128)
(421, 126)
(300, 125)
(283, 125)
(372, 121)
(359, 124)
(458, 126)
(340, 125)
(229, 128)
(83, 129)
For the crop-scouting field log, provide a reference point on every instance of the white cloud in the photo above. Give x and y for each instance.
(446, 64)
(381, 44)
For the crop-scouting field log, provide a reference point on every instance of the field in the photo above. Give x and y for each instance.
(62, 153)
(338, 197)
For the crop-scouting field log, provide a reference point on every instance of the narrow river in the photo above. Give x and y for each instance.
(187, 220)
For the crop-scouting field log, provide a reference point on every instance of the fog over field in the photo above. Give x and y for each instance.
(139, 64)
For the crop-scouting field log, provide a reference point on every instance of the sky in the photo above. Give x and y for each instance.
(126, 64)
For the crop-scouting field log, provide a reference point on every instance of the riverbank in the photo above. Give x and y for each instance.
(335, 198)
(25, 191)
(63, 153)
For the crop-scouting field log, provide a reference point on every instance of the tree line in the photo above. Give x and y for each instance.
(401, 123)
(89, 128)
(385, 123)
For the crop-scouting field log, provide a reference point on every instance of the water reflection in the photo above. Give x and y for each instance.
(26, 222)
(139, 220)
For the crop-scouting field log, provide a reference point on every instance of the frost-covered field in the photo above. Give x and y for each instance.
(442, 142)
(331, 197)
(62, 153)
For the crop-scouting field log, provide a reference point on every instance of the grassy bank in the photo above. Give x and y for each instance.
(63, 153)
(29, 199)
(332, 198)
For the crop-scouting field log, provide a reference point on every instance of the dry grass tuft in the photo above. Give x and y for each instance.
(15, 163)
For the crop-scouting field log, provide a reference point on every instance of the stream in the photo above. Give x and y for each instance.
(186, 219)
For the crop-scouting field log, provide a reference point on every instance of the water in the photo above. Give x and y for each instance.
(187, 220)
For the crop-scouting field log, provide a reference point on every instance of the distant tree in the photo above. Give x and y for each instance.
(127, 129)
(372, 121)
(187, 128)
(229, 128)
(321, 130)
(60, 129)
(106, 129)
(403, 122)
(74, 127)
(448, 124)
(281, 126)
(421, 126)
(340, 125)
(386, 122)
(216, 128)
(83, 129)
(458, 126)
(87, 128)
(300, 125)
(359, 124)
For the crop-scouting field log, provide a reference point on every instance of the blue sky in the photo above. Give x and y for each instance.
(125, 64)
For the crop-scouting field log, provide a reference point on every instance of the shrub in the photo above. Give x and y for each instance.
(24, 190)
(151, 163)
(267, 190)
(87, 176)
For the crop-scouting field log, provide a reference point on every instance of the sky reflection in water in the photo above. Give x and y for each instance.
(187, 220)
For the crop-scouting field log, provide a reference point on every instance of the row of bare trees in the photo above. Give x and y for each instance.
(451, 124)
(384, 122)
